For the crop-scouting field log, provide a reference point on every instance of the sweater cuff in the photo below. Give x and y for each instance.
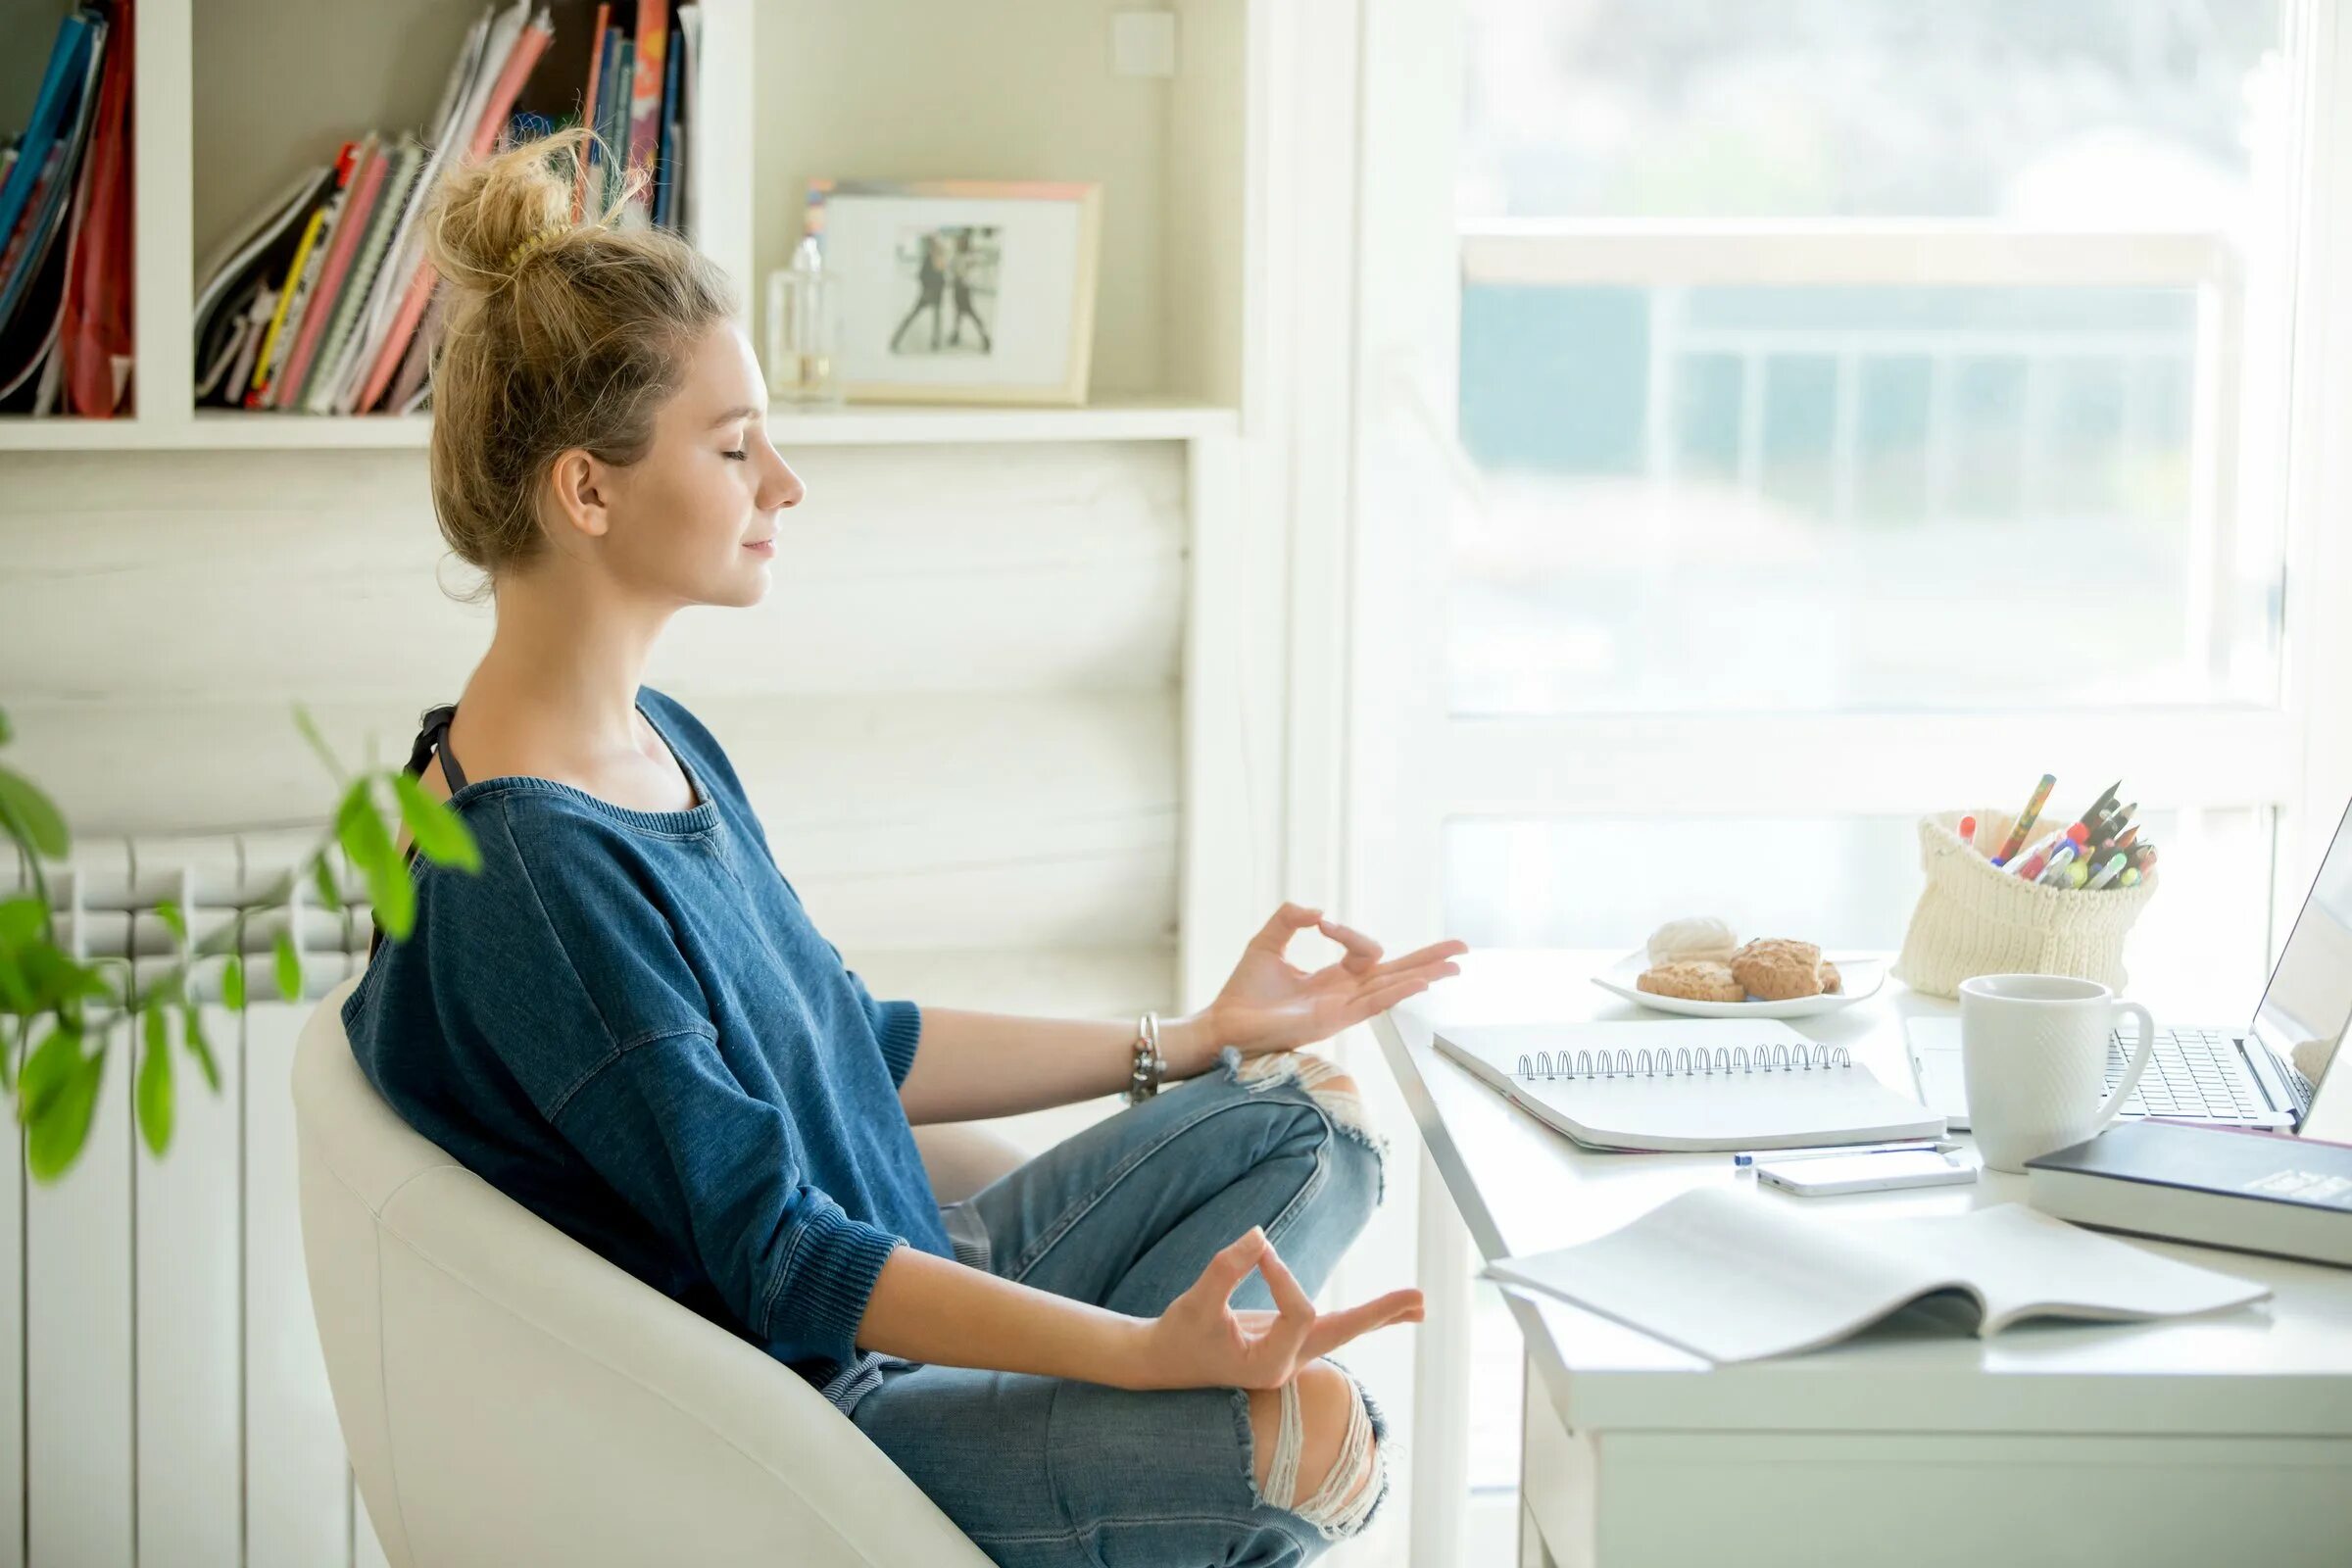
(899, 1025)
(823, 1296)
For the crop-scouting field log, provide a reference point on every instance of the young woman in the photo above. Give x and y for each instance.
(626, 1021)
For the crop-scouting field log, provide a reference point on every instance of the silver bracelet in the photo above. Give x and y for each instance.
(1143, 1078)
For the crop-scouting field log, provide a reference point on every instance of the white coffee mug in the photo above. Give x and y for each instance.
(2034, 1052)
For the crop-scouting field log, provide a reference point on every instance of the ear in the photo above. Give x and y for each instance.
(581, 488)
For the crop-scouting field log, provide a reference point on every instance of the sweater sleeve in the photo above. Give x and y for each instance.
(620, 1054)
(716, 1171)
(897, 1025)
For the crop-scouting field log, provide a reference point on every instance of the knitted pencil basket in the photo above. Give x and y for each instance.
(1975, 918)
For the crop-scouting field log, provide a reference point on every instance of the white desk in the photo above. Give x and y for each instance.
(2221, 1440)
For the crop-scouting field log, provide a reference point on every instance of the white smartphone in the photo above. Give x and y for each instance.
(1867, 1173)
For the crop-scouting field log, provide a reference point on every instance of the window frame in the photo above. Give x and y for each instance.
(1413, 764)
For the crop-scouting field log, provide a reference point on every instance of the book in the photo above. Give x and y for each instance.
(61, 80)
(1733, 1275)
(301, 280)
(588, 106)
(95, 344)
(647, 62)
(1694, 1084)
(2234, 1186)
(34, 234)
(334, 366)
(516, 39)
(364, 181)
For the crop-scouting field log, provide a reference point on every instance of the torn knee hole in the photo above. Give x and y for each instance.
(1317, 1076)
(1351, 1482)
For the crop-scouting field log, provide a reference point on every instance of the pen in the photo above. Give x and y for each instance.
(2025, 823)
(2099, 808)
(2107, 873)
(1940, 1146)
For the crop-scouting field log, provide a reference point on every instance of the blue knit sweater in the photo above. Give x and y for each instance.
(626, 1022)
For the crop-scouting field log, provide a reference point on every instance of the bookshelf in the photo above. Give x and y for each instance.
(231, 96)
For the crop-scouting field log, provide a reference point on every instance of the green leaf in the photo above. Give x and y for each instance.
(63, 1126)
(310, 731)
(56, 978)
(323, 878)
(168, 912)
(46, 1070)
(441, 835)
(201, 1050)
(153, 1092)
(232, 984)
(23, 921)
(367, 841)
(32, 816)
(289, 969)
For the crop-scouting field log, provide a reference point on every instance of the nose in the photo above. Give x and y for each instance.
(779, 486)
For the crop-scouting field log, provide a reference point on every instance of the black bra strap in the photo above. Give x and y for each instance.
(435, 735)
(432, 734)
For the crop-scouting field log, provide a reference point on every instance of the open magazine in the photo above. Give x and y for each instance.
(1733, 1276)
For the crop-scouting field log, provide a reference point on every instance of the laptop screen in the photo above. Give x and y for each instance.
(2304, 1012)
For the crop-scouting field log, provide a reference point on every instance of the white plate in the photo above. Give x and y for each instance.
(1861, 978)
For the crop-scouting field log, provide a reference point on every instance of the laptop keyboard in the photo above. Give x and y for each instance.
(2192, 1073)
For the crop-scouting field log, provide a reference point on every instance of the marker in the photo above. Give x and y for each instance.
(1968, 831)
(1940, 1146)
(2024, 823)
(2107, 873)
(2054, 872)
(2099, 808)
(2130, 879)
(2107, 831)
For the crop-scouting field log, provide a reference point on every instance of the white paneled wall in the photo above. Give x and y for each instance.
(955, 711)
(958, 715)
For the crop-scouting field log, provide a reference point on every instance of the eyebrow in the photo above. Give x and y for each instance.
(745, 411)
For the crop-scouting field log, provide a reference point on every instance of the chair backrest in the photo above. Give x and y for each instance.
(507, 1396)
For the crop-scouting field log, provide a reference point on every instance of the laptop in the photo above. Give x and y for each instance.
(2263, 1074)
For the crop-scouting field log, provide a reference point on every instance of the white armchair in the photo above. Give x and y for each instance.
(506, 1396)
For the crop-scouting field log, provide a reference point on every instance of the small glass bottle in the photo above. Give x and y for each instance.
(804, 332)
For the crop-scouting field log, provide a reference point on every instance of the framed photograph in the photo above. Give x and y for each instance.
(961, 290)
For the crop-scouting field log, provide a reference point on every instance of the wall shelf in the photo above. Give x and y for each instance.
(232, 96)
(858, 424)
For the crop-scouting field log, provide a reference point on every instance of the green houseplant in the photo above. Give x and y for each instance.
(74, 1005)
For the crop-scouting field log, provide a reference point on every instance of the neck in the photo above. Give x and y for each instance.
(566, 660)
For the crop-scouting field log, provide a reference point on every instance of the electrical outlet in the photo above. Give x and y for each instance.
(1143, 43)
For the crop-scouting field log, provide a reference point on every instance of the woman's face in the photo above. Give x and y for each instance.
(696, 519)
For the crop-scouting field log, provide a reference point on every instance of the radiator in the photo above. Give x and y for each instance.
(155, 1320)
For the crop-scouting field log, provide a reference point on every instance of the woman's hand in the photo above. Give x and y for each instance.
(1202, 1341)
(1272, 1005)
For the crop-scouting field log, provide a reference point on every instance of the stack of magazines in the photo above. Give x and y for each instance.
(64, 226)
(319, 304)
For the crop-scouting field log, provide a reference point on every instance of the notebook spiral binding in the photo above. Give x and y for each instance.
(1681, 1060)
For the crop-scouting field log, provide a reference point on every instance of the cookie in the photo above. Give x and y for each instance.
(1703, 937)
(1691, 980)
(1779, 968)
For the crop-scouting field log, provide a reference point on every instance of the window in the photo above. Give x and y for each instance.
(1855, 408)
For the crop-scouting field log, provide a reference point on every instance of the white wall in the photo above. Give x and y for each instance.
(956, 713)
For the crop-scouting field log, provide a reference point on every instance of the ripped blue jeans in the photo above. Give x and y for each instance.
(1045, 1472)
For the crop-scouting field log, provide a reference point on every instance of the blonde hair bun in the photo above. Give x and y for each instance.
(555, 335)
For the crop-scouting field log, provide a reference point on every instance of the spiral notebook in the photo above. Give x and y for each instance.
(1691, 1084)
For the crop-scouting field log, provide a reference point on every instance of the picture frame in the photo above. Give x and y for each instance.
(961, 290)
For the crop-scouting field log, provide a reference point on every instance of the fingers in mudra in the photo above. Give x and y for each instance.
(1293, 1334)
